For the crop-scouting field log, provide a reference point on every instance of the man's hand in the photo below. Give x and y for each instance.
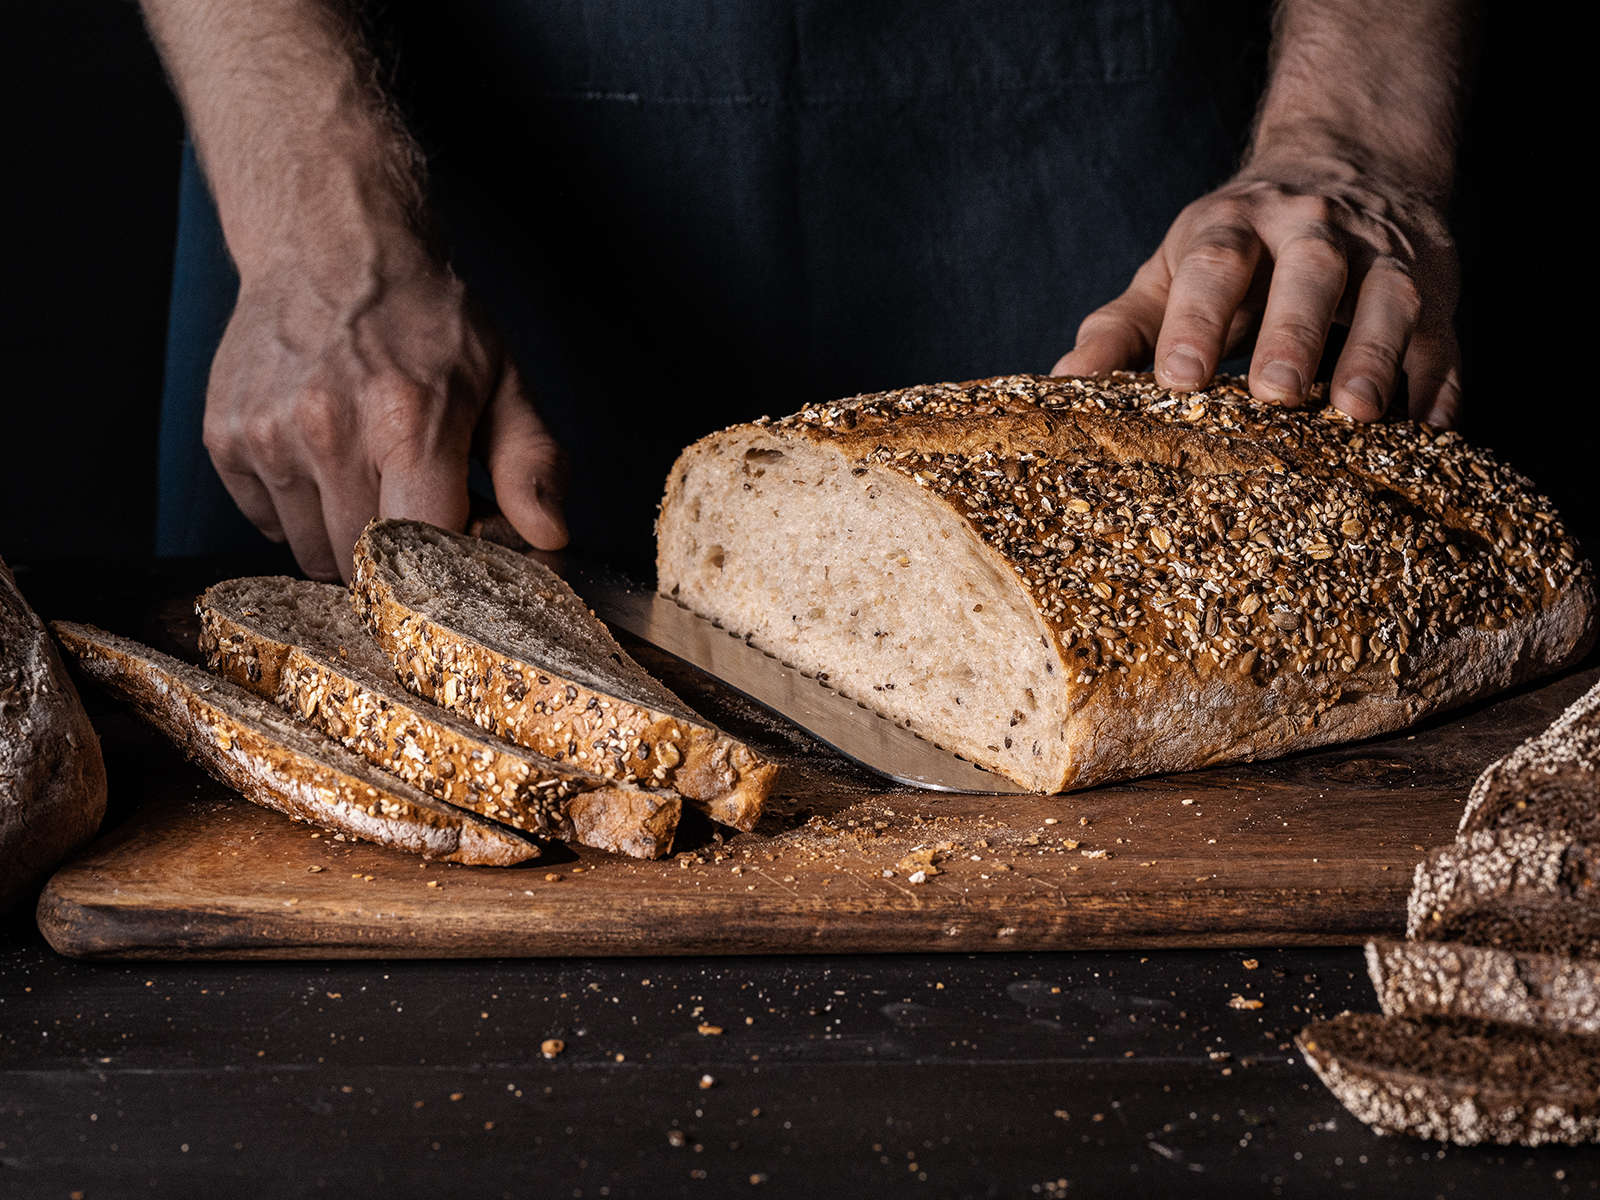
(1290, 251)
(1336, 218)
(359, 393)
(355, 376)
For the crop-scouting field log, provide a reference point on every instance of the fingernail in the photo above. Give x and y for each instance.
(1282, 378)
(1184, 369)
(1366, 396)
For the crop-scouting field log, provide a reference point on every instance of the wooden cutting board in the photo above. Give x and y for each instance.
(1318, 848)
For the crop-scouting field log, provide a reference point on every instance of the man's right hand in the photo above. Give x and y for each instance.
(355, 376)
(355, 385)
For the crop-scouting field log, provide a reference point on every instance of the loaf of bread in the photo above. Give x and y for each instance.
(252, 745)
(502, 640)
(1073, 580)
(52, 778)
(1459, 1081)
(1513, 987)
(1552, 780)
(301, 644)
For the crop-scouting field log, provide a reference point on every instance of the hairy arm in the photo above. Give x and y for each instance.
(356, 375)
(1336, 217)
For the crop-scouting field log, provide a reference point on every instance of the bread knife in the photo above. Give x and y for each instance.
(848, 726)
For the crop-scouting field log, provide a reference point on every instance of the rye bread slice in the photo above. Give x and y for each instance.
(1512, 889)
(252, 745)
(1552, 779)
(301, 644)
(1455, 979)
(500, 638)
(1459, 1081)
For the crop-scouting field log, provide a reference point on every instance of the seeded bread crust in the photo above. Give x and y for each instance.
(1454, 979)
(301, 644)
(52, 778)
(1458, 1081)
(250, 744)
(556, 712)
(1214, 578)
(1553, 778)
(1521, 889)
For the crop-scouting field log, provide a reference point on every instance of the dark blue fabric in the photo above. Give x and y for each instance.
(685, 215)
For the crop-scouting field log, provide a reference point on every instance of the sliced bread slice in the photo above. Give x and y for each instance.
(1455, 979)
(1459, 1081)
(302, 644)
(502, 639)
(252, 745)
(1512, 889)
(1552, 779)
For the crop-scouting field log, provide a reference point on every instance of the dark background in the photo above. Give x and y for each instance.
(89, 207)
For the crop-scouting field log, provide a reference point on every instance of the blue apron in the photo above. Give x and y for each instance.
(685, 215)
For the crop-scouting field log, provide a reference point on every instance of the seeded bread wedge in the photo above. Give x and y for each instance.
(1454, 979)
(1513, 889)
(1070, 581)
(302, 644)
(1552, 779)
(252, 745)
(1459, 1081)
(502, 639)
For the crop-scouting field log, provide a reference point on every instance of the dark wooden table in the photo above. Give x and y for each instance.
(1104, 1073)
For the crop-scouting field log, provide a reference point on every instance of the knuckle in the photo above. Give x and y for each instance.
(1372, 358)
(1318, 247)
(1294, 337)
(1403, 290)
(1222, 247)
(320, 419)
(399, 410)
(1103, 322)
(1314, 210)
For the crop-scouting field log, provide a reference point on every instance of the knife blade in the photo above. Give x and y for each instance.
(848, 726)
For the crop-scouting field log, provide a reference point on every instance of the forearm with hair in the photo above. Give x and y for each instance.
(297, 139)
(1372, 83)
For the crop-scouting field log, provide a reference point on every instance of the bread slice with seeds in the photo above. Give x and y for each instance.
(302, 644)
(1459, 1081)
(1513, 987)
(252, 745)
(1552, 779)
(1074, 580)
(1522, 888)
(501, 639)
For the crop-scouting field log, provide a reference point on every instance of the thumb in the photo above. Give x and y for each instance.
(526, 465)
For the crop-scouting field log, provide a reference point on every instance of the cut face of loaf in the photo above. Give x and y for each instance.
(1454, 979)
(1516, 889)
(1459, 1081)
(250, 744)
(1075, 580)
(1551, 780)
(501, 639)
(302, 644)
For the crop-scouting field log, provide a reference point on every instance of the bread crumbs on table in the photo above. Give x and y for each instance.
(551, 1047)
(457, 1095)
(433, 883)
(706, 1030)
(706, 1081)
(1242, 1002)
(1250, 964)
(553, 877)
(314, 870)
